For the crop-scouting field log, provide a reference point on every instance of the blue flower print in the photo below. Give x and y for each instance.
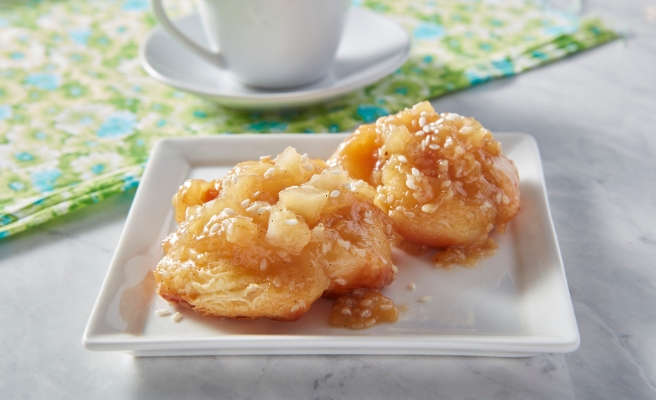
(117, 125)
(266, 126)
(43, 81)
(428, 31)
(80, 35)
(98, 168)
(135, 5)
(16, 186)
(24, 156)
(44, 181)
(505, 66)
(371, 113)
(5, 112)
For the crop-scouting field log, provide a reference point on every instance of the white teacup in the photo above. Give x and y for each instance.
(267, 43)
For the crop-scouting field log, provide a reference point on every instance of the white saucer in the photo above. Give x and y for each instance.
(372, 48)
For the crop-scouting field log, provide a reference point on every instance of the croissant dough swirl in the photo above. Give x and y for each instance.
(273, 236)
(441, 178)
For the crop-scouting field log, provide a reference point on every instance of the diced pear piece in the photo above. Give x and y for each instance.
(423, 106)
(397, 138)
(287, 232)
(306, 201)
(242, 231)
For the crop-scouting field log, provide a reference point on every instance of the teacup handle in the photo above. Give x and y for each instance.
(160, 14)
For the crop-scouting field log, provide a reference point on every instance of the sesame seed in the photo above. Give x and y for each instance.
(460, 189)
(177, 317)
(340, 281)
(411, 184)
(385, 307)
(382, 259)
(426, 128)
(360, 252)
(335, 172)
(459, 151)
(368, 214)
(162, 312)
(231, 228)
(344, 243)
(335, 193)
(420, 133)
(505, 199)
(452, 117)
(245, 203)
(439, 121)
(429, 208)
(358, 183)
(466, 130)
(409, 214)
(444, 165)
(263, 264)
(368, 221)
(308, 167)
(365, 313)
(252, 208)
(411, 286)
(346, 311)
(269, 172)
(265, 158)
(423, 113)
(262, 210)
(422, 121)
(366, 303)
(291, 285)
(425, 299)
(214, 228)
(416, 172)
(295, 308)
(277, 281)
(291, 221)
(446, 184)
(304, 158)
(235, 179)
(498, 197)
(403, 159)
(433, 146)
(395, 269)
(400, 209)
(301, 302)
(390, 198)
(423, 146)
(229, 212)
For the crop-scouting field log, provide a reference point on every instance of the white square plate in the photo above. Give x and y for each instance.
(515, 303)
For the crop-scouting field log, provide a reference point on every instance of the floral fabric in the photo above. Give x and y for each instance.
(78, 115)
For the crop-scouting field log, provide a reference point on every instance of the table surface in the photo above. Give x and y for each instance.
(594, 118)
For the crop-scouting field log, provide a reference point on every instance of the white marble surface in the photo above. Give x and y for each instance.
(594, 117)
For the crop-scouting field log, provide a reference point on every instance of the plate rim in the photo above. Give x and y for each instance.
(418, 343)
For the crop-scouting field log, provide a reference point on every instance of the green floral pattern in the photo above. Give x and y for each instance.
(78, 115)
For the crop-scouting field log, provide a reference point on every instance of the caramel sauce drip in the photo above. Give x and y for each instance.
(465, 256)
(363, 308)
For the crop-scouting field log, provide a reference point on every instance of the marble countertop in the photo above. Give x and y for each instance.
(594, 118)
